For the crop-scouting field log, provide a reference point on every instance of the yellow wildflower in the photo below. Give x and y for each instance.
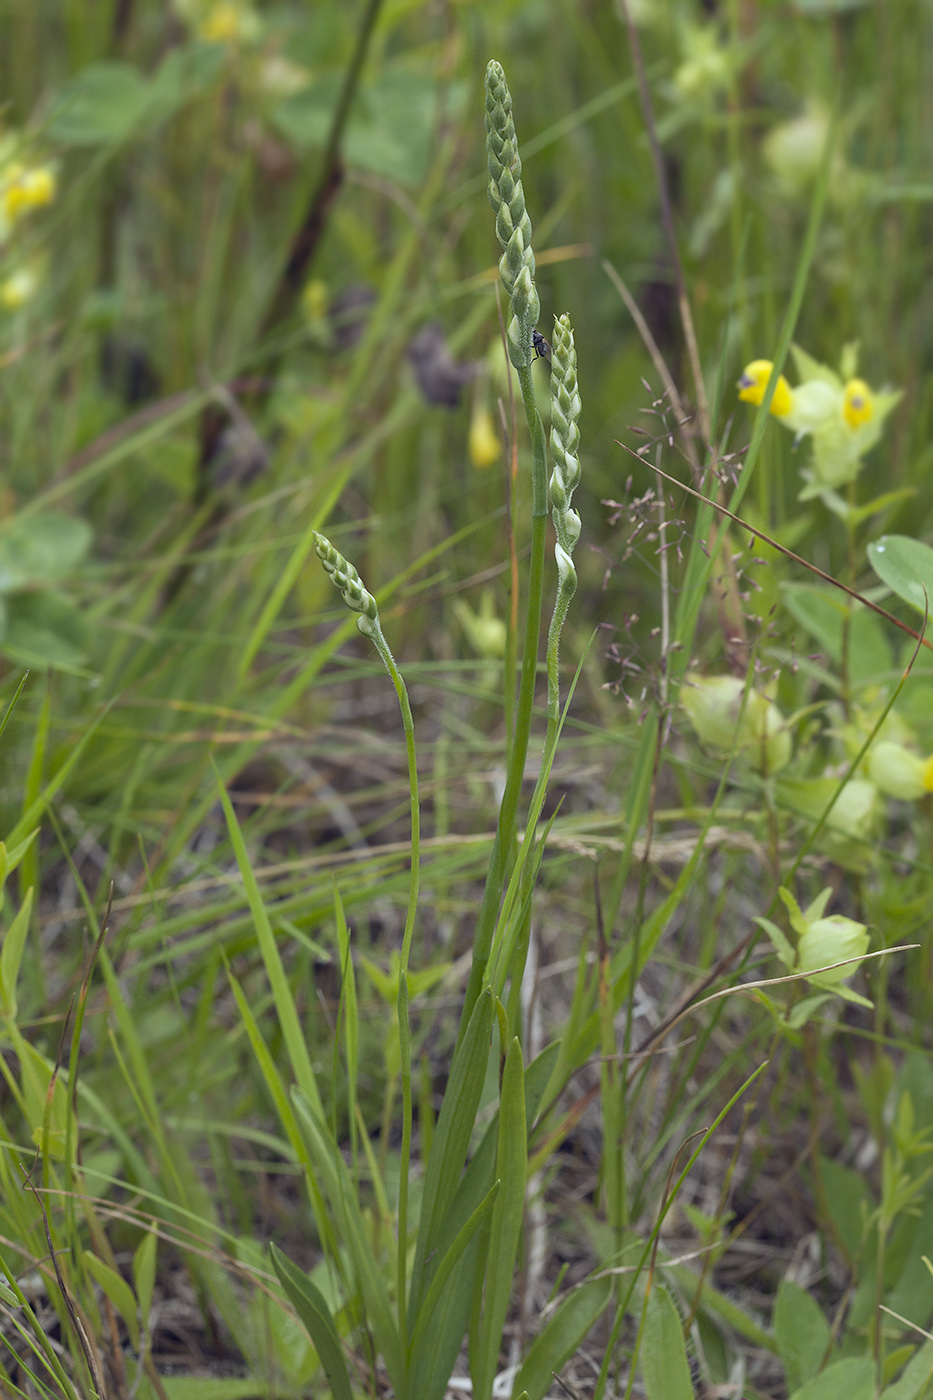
(844, 417)
(228, 23)
(23, 188)
(484, 445)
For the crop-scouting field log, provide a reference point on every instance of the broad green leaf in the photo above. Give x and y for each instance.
(144, 1267)
(849, 1201)
(40, 548)
(506, 1223)
(914, 1378)
(45, 629)
(906, 566)
(851, 1379)
(390, 132)
(425, 1318)
(801, 1332)
(185, 73)
(11, 957)
(102, 105)
(663, 1354)
(825, 614)
(561, 1337)
(312, 1308)
(117, 1290)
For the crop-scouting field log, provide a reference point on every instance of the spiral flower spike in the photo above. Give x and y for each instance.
(347, 580)
(513, 226)
(565, 443)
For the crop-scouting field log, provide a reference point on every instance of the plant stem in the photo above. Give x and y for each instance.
(404, 1024)
(508, 809)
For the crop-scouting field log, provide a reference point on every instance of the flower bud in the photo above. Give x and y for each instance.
(828, 941)
(897, 772)
(714, 705)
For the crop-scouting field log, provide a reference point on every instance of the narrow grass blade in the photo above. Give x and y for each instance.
(285, 1007)
(352, 1230)
(311, 1307)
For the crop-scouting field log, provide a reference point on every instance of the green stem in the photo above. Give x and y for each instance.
(404, 1024)
(561, 606)
(508, 808)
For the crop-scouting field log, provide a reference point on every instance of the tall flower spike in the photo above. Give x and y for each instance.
(344, 576)
(513, 226)
(565, 442)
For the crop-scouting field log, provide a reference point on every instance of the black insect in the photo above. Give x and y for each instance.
(541, 347)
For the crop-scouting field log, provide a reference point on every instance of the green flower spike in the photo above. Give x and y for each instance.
(565, 478)
(513, 226)
(565, 441)
(344, 576)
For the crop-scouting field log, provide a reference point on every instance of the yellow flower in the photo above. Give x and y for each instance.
(844, 417)
(803, 409)
(228, 23)
(484, 445)
(23, 188)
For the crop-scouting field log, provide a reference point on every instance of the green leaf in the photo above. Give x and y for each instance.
(506, 1224)
(102, 105)
(40, 548)
(311, 1307)
(452, 1135)
(561, 1337)
(849, 1202)
(144, 1267)
(117, 1290)
(45, 629)
(287, 1012)
(914, 1378)
(664, 1356)
(851, 1379)
(425, 1318)
(801, 1332)
(12, 956)
(906, 566)
(803, 1010)
(390, 132)
(336, 1183)
(781, 944)
(201, 1388)
(10, 857)
(185, 73)
(823, 613)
